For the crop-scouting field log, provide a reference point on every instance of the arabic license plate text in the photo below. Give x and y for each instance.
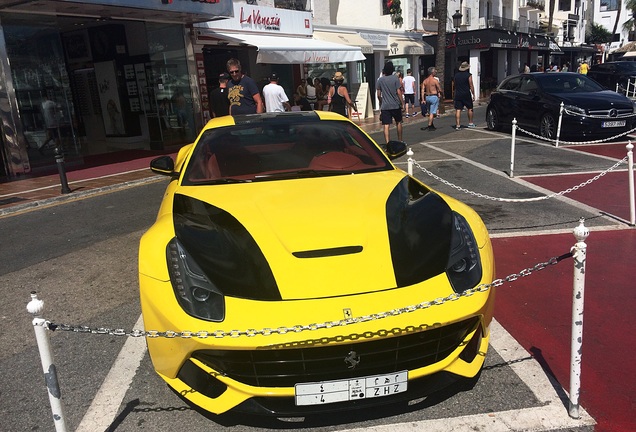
(611, 124)
(352, 389)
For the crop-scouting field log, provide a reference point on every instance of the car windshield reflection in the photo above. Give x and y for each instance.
(278, 151)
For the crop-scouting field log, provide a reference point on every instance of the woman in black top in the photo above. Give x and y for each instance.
(339, 96)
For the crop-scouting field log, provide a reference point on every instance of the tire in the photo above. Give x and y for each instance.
(548, 126)
(492, 120)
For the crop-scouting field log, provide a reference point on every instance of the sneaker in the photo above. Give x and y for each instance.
(432, 128)
(458, 128)
(424, 128)
(471, 125)
(406, 115)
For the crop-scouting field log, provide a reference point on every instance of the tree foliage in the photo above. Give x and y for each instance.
(597, 34)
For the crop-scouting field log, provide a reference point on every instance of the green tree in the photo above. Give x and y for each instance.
(597, 34)
(628, 25)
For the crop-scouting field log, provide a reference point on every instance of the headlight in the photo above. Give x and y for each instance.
(195, 293)
(464, 266)
(574, 109)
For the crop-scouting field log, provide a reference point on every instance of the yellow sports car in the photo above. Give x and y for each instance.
(292, 269)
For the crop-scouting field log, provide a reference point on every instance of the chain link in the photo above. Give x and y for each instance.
(520, 200)
(218, 334)
(575, 142)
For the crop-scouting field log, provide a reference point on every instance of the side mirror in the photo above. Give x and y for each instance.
(395, 149)
(163, 165)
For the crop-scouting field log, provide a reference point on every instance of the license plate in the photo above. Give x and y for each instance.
(325, 392)
(611, 124)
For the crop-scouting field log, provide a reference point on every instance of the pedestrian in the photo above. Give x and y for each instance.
(464, 94)
(311, 94)
(390, 98)
(302, 89)
(243, 91)
(275, 98)
(409, 93)
(526, 68)
(583, 68)
(432, 91)
(565, 67)
(219, 102)
(339, 99)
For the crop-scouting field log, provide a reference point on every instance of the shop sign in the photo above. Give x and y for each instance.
(262, 19)
(378, 40)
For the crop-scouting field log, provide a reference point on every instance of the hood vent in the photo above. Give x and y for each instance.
(321, 253)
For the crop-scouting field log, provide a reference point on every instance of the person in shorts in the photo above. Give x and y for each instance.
(390, 98)
(464, 95)
(432, 91)
(409, 93)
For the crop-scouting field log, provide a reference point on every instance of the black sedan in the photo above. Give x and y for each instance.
(614, 75)
(534, 100)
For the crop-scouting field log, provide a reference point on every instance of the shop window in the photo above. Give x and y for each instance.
(609, 5)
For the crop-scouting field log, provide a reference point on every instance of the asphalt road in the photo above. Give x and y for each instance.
(81, 259)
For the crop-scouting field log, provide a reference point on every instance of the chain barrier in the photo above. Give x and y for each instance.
(520, 200)
(575, 142)
(218, 334)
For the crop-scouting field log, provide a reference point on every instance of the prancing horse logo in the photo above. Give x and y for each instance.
(352, 359)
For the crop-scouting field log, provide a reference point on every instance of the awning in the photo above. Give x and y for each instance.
(351, 39)
(629, 54)
(400, 46)
(297, 50)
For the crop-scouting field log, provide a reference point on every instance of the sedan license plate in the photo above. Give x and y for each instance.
(611, 124)
(352, 389)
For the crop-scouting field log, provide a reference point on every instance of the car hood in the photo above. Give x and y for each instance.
(316, 237)
(605, 99)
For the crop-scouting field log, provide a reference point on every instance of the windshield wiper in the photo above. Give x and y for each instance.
(300, 174)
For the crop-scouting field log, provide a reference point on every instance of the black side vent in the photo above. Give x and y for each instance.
(320, 253)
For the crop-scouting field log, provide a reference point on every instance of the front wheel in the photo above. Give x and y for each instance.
(547, 127)
(492, 120)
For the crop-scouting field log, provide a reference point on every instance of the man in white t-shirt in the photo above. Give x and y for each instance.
(409, 92)
(275, 98)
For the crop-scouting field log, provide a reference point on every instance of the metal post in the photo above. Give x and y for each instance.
(630, 171)
(35, 307)
(579, 253)
(512, 147)
(410, 161)
(59, 160)
(559, 125)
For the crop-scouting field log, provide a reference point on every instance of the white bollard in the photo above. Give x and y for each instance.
(559, 125)
(410, 161)
(579, 253)
(512, 147)
(35, 307)
(630, 172)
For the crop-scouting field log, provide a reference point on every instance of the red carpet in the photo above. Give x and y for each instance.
(537, 311)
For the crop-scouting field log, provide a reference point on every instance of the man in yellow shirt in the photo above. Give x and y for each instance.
(583, 68)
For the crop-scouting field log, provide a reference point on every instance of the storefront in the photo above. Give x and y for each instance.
(493, 54)
(94, 77)
(267, 40)
(404, 50)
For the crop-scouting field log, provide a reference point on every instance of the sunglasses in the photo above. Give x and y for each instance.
(234, 72)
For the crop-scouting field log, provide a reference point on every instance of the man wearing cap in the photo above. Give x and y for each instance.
(275, 98)
(464, 95)
(219, 102)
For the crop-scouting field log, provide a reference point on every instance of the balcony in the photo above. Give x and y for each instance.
(532, 4)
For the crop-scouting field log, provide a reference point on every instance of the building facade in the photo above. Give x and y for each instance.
(94, 76)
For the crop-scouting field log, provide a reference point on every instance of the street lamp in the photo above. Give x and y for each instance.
(457, 22)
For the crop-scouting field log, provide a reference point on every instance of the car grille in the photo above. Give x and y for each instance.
(606, 113)
(284, 367)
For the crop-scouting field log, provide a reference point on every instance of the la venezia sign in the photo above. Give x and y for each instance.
(255, 19)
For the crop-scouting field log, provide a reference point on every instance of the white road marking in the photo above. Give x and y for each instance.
(105, 405)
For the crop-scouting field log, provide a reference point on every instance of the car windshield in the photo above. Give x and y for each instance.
(270, 150)
(567, 83)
